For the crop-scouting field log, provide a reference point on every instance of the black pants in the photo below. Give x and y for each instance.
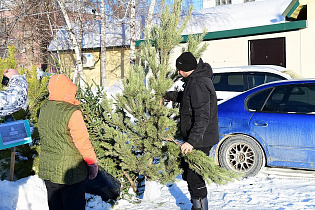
(66, 197)
(196, 185)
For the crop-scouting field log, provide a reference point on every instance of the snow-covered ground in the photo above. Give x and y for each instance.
(260, 192)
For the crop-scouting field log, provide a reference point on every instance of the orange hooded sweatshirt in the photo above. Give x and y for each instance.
(61, 88)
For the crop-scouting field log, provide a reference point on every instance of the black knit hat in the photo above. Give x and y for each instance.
(186, 62)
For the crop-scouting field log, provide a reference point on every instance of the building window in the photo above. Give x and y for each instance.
(223, 2)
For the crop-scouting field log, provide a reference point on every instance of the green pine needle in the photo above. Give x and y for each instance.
(208, 169)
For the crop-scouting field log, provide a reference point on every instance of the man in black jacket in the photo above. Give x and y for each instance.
(198, 119)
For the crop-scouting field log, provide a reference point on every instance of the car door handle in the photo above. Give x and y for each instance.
(260, 123)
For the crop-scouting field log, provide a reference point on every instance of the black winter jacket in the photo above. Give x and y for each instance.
(198, 107)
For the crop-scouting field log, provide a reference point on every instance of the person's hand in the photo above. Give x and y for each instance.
(10, 72)
(167, 95)
(186, 147)
(93, 169)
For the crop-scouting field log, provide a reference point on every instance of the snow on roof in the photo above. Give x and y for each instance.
(116, 35)
(236, 16)
(219, 18)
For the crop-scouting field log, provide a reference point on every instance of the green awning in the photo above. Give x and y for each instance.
(242, 32)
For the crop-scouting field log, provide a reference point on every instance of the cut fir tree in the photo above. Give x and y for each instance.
(206, 166)
(128, 132)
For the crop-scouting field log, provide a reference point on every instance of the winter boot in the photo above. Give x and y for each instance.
(199, 204)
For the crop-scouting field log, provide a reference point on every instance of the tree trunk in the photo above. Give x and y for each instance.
(103, 44)
(132, 183)
(132, 31)
(148, 26)
(78, 72)
(150, 14)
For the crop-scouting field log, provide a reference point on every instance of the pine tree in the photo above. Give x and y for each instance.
(26, 162)
(128, 131)
(133, 132)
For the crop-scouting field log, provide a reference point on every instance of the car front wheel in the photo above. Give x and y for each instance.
(241, 154)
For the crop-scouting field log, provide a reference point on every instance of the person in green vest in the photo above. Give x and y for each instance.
(67, 156)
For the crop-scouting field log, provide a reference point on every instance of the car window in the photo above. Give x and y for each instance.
(274, 77)
(229, 82)
(292, 99)
(275, 100)
(259, 78)
(256, 101)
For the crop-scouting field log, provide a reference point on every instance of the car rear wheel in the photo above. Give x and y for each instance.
(241, 154)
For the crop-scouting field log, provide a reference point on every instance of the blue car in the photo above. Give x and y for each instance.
(270, 125)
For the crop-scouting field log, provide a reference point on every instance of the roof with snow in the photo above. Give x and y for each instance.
(235, 16)
(117, 34)
(253, 16)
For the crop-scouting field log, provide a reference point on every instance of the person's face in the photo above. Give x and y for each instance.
(184, 73)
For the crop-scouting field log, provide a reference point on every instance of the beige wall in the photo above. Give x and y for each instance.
(235, 51)
(308, 42)
(117, 65)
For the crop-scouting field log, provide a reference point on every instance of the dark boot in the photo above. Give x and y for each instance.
(199, 204)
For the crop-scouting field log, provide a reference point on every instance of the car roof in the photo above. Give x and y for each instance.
(269, 84)
(283, 82)
(292, 81)
(255, 68)
(249, 68)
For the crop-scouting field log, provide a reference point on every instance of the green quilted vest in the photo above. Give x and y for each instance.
(59, 159)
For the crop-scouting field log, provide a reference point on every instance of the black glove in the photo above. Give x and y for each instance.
(93, 169)
(174, 96)
(169, 95)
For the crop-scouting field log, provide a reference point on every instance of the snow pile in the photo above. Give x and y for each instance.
(260, 192)
(27, 193)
